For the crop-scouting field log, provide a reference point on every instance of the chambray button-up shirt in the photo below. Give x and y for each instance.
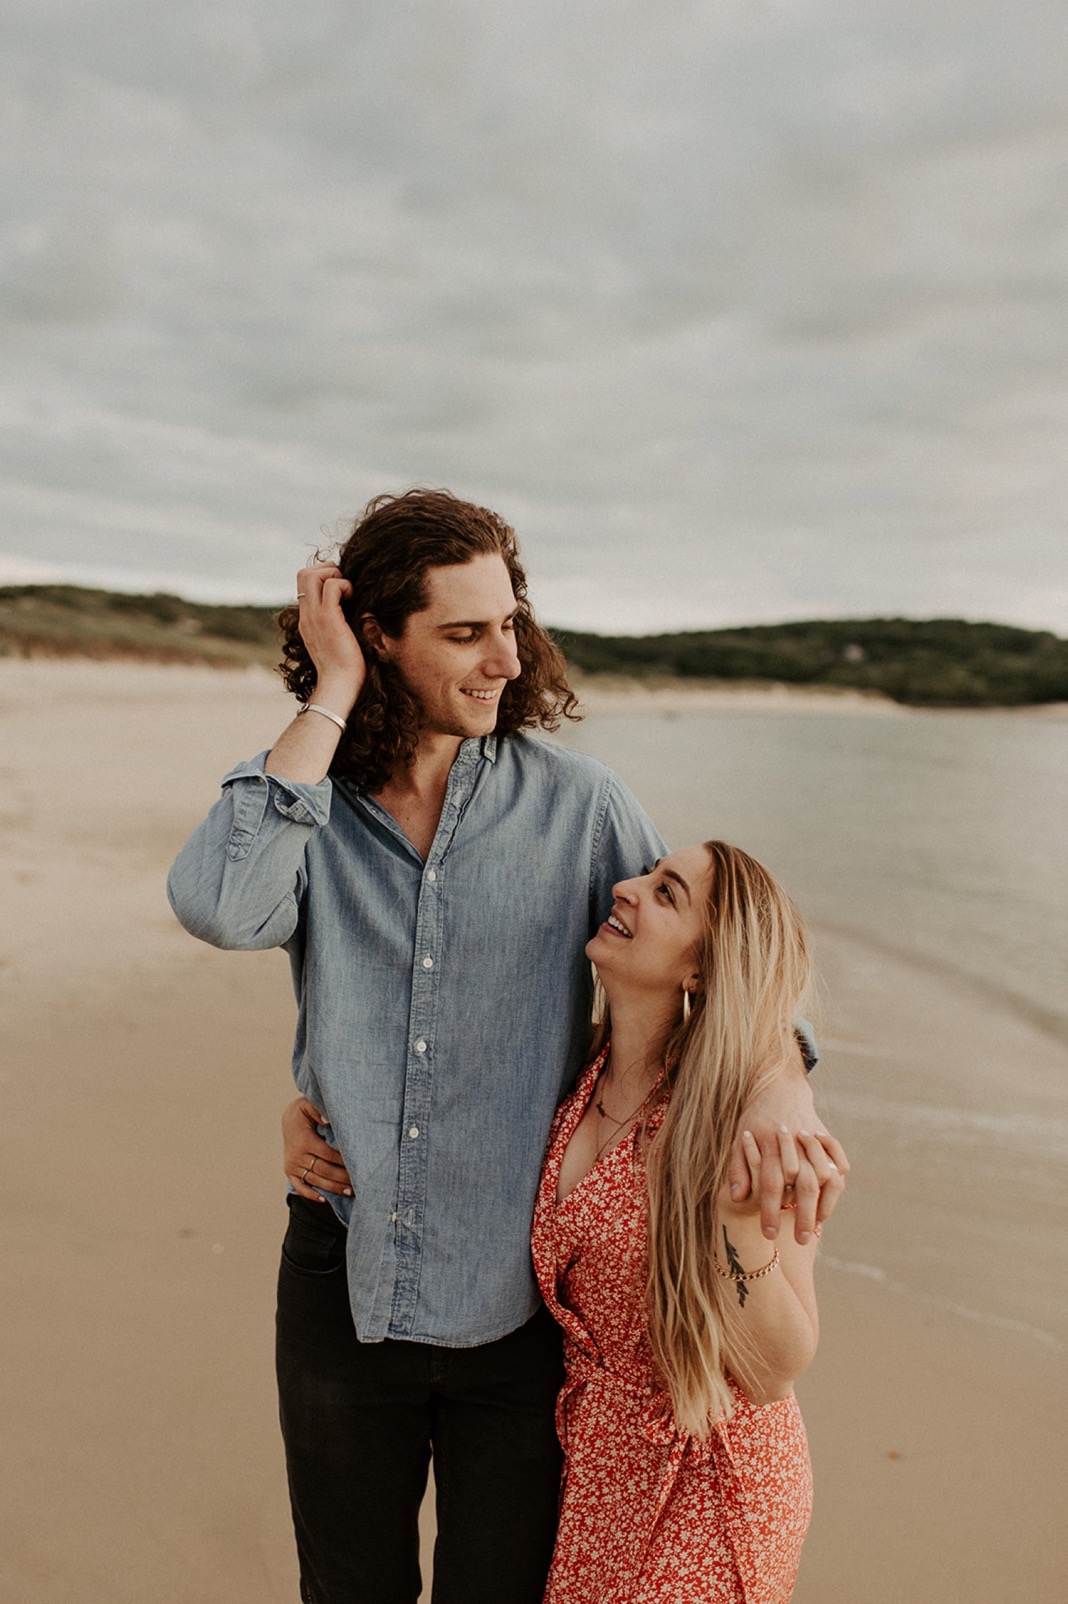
(444, 1004)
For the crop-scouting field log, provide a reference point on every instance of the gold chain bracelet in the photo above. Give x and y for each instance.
(750, 1275)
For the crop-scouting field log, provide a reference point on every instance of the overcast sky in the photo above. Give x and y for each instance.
(739, 310)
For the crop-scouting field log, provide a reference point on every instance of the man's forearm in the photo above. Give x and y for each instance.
(305, 749)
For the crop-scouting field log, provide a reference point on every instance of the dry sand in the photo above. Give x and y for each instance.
(141, 1079)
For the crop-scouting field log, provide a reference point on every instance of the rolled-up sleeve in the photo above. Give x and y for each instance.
(238, 880)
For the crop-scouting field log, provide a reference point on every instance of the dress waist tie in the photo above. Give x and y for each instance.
(659, 1426)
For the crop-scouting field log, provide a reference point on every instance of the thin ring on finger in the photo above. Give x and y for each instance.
(791, 1164)
(304, 1177)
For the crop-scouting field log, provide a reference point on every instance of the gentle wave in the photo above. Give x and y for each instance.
(872, 1272)
(1050, 1020)
(1040, 1135)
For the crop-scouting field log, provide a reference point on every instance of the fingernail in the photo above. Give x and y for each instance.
(784, 1130)
(770, 1232)
(748, 1133)
(348, 1191)
(804, 1236)
(832, 1165)
(802, 1133)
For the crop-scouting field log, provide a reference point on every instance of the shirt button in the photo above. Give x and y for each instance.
(428, 962)
(420, 1045)
(413, 1132)
(431, 875)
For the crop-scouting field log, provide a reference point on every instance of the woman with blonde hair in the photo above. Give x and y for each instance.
(687, 1478)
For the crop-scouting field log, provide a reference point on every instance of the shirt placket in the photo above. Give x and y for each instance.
(416, 1121)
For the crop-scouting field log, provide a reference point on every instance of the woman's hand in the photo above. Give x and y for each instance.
(800, 1164)
(310, 1161)
(339, 661)
(807, 1179)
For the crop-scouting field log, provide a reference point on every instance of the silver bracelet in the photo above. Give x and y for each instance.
(335, 718)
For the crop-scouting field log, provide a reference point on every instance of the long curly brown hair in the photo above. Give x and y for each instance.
(393, 543)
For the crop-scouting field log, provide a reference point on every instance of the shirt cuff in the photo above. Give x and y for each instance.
(294, 799)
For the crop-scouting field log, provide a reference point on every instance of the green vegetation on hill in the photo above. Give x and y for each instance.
(69, 621)
(933, 663)
(940, 662)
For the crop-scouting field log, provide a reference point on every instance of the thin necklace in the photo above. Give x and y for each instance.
(618, 1124)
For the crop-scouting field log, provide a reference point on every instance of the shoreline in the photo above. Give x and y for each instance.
(599, 696)
(616, 696)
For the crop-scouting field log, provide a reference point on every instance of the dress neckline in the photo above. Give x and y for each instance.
(579, 1103)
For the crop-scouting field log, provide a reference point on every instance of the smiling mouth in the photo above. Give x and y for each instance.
(621, 930)
(482, 696)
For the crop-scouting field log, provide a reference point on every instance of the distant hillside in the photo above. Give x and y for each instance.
(68, 621)
(939, 662)
(932, 663)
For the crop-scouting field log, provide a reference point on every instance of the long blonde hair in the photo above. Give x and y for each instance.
(754, 965)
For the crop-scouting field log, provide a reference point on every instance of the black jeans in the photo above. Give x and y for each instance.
(359, 1421)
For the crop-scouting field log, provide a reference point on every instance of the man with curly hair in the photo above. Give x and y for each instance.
(434, 874)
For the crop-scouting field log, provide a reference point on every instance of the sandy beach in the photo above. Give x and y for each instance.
(606, 696)
(141, 1079)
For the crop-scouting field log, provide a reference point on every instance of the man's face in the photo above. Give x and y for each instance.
(457, 655)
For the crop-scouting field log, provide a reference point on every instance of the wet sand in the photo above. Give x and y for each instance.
(141, 1079)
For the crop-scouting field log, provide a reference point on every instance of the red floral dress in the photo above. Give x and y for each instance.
(648, 1513)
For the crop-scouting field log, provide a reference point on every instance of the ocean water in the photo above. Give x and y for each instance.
(941, 839)
(928, 853)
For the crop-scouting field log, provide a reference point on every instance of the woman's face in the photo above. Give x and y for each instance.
(650, 938)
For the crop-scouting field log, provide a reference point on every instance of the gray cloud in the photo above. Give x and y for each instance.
(739, 310)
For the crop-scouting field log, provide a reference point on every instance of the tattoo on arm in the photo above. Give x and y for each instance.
(734, 1264)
